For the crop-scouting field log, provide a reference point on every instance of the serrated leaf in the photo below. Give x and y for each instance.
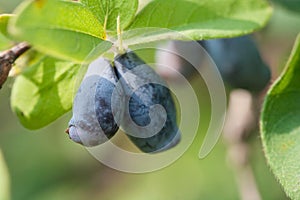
(4, 37)
(4, 179)
(107, 11)
(280, 126)
(197, 20)
(44, 92)
(63, 29)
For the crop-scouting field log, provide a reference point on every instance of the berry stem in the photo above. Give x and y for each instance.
(119, 31)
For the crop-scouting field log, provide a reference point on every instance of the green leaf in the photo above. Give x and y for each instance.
(198, 20)
(44, 92)
(4, 18)
(293, 5)
(4, 179)
(63, 29)
(4, 37)
(280, 126)
(107, 11)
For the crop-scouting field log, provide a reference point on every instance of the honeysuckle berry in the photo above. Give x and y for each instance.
(93, 121)
(239, 62)
(149, 116)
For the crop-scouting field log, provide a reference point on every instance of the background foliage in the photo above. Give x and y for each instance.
(45, 164)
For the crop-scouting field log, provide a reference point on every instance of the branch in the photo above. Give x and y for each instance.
(241, 121)
(7, 59)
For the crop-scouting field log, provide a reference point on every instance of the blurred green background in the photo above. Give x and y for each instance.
(46, 165)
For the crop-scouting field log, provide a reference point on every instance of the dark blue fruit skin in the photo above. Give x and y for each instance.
(143, 98)
(92, 122)
(239, 62)
(140, 102)
(103, 107)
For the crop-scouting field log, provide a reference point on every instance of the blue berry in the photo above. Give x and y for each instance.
(239, 62)
(149, 116)
(93, 119)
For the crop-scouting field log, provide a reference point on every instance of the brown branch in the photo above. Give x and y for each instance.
(7, 59)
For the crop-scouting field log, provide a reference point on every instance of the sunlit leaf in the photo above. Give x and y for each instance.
(107, 11)
(280, 126)
(63, 29)
(197, 20)
(44, 92)
(4, 37)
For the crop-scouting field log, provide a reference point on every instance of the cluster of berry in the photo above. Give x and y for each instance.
(127, 93)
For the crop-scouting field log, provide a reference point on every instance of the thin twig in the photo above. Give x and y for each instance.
(7, 59)
(241, 121)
